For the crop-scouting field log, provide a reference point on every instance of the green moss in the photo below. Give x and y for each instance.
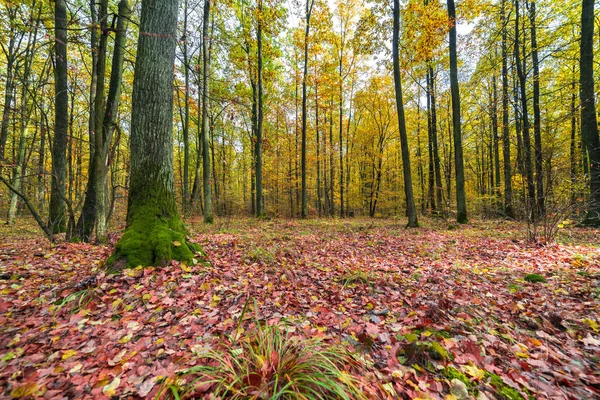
(151, 239)
(534, 278)
(504, 391)
(452, 373)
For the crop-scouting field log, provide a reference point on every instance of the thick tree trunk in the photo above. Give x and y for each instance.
(589, 125)
(154, 235)
(57, 219)
(461, 200)
(411, 210)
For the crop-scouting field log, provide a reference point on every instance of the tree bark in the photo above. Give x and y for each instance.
(461, 201)
(206, 184)
(589, 125)
(508, 195)
(411, 210)
(154, 235)
(259, 122)
(537, 119)
(308, 12)
(57, 219)
(528, 167)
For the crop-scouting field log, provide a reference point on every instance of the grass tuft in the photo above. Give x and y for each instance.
(268, 364)
(534, 278)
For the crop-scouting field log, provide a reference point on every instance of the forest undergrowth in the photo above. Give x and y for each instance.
(438, 312)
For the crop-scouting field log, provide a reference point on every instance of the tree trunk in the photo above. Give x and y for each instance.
(154, 235)
(528, 168)
(308, 11)
(589, 125)
(207, 197)
(10, 55)
(508, 193)
(411, 210)
(537, 119)
(57, 220)
(461, 201)
(185, 201)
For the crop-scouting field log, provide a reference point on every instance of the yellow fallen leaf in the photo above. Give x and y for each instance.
(68, 354)
(125, 338)
(520, 354)
(109, 389)
(176, 243)
(474, 372)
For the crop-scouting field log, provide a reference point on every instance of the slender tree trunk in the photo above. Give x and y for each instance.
(318, 145)
(528, 168)
(57, 220)
(496, 145)
(109, 118)
(25, 111)
(331, 163)
(461, 201)
(589, 125)
(411, 210)
(99, 104)
(573, 142)
(431, 169)
(537, 119)
(206, 184)
(341, 136)
(9, 84)
(508, 192)
(434, 138)
(308, 11)
(259, 126)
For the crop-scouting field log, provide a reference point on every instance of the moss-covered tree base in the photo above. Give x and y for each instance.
(151, 239)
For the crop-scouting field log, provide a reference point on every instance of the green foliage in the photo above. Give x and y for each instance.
(269, 364)
(357, 277)
(452, 373)
(504, 391)
(76, 301)
(260, 255)
(534, 278)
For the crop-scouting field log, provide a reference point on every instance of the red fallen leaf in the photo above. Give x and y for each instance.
(372, 329)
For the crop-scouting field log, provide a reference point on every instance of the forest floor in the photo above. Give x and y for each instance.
(419, 308)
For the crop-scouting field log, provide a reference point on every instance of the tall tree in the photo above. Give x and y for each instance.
(308, 12)
(537, 117)
(57, 220)
(155, 235)
(411, 210)
(508, 206)
(589, 125)
(207, 195)
(461, 200)
(260, 115)
(528, 166)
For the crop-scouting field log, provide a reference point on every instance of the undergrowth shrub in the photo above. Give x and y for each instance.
(267, 363)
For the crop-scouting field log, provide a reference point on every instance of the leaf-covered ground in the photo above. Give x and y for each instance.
(421, 308)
